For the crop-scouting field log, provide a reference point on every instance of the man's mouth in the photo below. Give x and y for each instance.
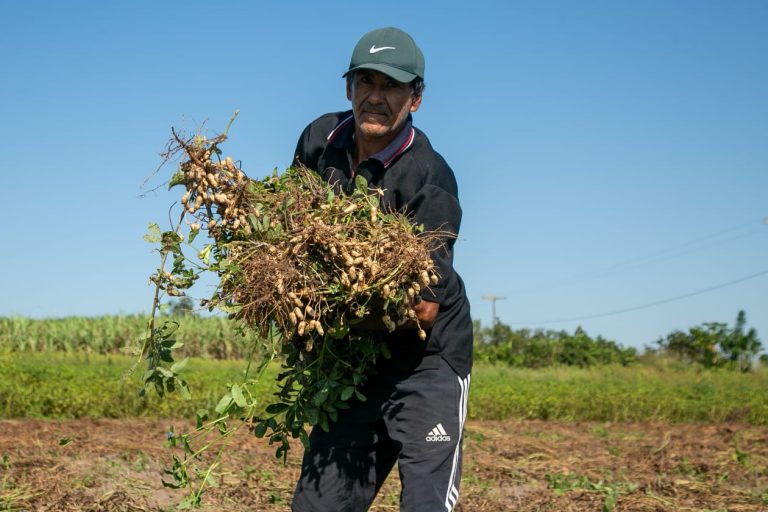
(374, 112)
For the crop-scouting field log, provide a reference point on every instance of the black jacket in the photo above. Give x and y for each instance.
(418, 182)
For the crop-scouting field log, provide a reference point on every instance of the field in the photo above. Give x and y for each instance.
(514, 465)
(655, 436)
(57, 385)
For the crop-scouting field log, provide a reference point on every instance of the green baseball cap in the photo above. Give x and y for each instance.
(390, 51)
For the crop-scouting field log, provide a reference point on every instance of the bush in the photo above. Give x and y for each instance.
(715, 344)
(542, 348)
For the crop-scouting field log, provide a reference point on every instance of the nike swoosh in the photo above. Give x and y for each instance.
(377, 50)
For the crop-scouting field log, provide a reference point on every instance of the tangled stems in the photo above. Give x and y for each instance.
(297, 263)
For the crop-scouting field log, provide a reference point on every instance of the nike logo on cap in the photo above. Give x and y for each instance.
(377, 50)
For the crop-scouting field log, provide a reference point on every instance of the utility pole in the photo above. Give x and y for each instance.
(493, 299)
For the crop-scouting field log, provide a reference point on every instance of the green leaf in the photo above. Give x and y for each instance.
(177, 179)
(254, 222)
(304, 439)
(168, 343)
(183, 389)
(324, 421)
(153, 235)
(275, 334)
(347, 393)
(311, 414)
(165, 372)
(166, 356)
(260, 430)
(177, 367)
(168, 328)
(205, 254)
(277, 408)
(320, 396)
(224, 403)
(170, 242)
(172, 485)
(360, 396)
(610, 502)
(201, 415)
(64, 441)
(237, 396)
(361, 184)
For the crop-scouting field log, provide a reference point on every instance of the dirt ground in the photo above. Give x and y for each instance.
(111, 465)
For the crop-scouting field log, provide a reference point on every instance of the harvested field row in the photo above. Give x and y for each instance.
(110, 465)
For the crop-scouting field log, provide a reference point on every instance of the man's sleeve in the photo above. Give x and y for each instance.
(438, 209)
(307, 153)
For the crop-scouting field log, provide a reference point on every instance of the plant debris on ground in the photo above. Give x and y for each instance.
(524, 466)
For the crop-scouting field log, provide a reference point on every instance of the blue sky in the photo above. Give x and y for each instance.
(609, 154)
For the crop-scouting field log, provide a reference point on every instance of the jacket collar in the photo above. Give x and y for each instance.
(343, 137)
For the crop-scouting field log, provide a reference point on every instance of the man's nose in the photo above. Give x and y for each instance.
(376, 95)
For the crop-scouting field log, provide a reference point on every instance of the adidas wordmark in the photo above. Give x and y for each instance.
(438, 434)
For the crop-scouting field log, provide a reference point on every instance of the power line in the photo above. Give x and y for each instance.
(688, 247)
(648, 305)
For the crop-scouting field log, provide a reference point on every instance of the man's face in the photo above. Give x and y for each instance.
(380, 104)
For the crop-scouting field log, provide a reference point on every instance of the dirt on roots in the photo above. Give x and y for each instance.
(111, 465)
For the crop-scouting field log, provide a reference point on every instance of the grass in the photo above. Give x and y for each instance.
(620, 394)
(74, 385)
(59, 385)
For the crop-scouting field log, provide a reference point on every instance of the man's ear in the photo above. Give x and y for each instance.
(349, 89)
(416, 103)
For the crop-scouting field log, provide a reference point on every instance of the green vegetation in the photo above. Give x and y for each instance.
(74, 367)
(715, 344)
(641, 392)
(58, 385)
(210, 337)
(710, 345)
(540, 348)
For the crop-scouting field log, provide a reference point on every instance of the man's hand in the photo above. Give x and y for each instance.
(426, 312)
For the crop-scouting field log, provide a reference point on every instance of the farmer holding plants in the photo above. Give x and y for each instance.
(415, 404)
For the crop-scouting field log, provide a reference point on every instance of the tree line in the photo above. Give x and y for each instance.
(709, 345)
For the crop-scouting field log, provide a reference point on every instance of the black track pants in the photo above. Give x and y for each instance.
(415, 420)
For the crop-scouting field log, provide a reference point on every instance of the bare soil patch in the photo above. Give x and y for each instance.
(111, 465)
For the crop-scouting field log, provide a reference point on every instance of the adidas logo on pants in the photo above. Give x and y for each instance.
(438, 434)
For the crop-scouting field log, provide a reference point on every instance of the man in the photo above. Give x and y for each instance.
(417, 401)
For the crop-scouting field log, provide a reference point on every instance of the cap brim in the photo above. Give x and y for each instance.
(398, 74)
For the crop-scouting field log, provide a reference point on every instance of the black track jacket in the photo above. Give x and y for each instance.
(418, 182)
